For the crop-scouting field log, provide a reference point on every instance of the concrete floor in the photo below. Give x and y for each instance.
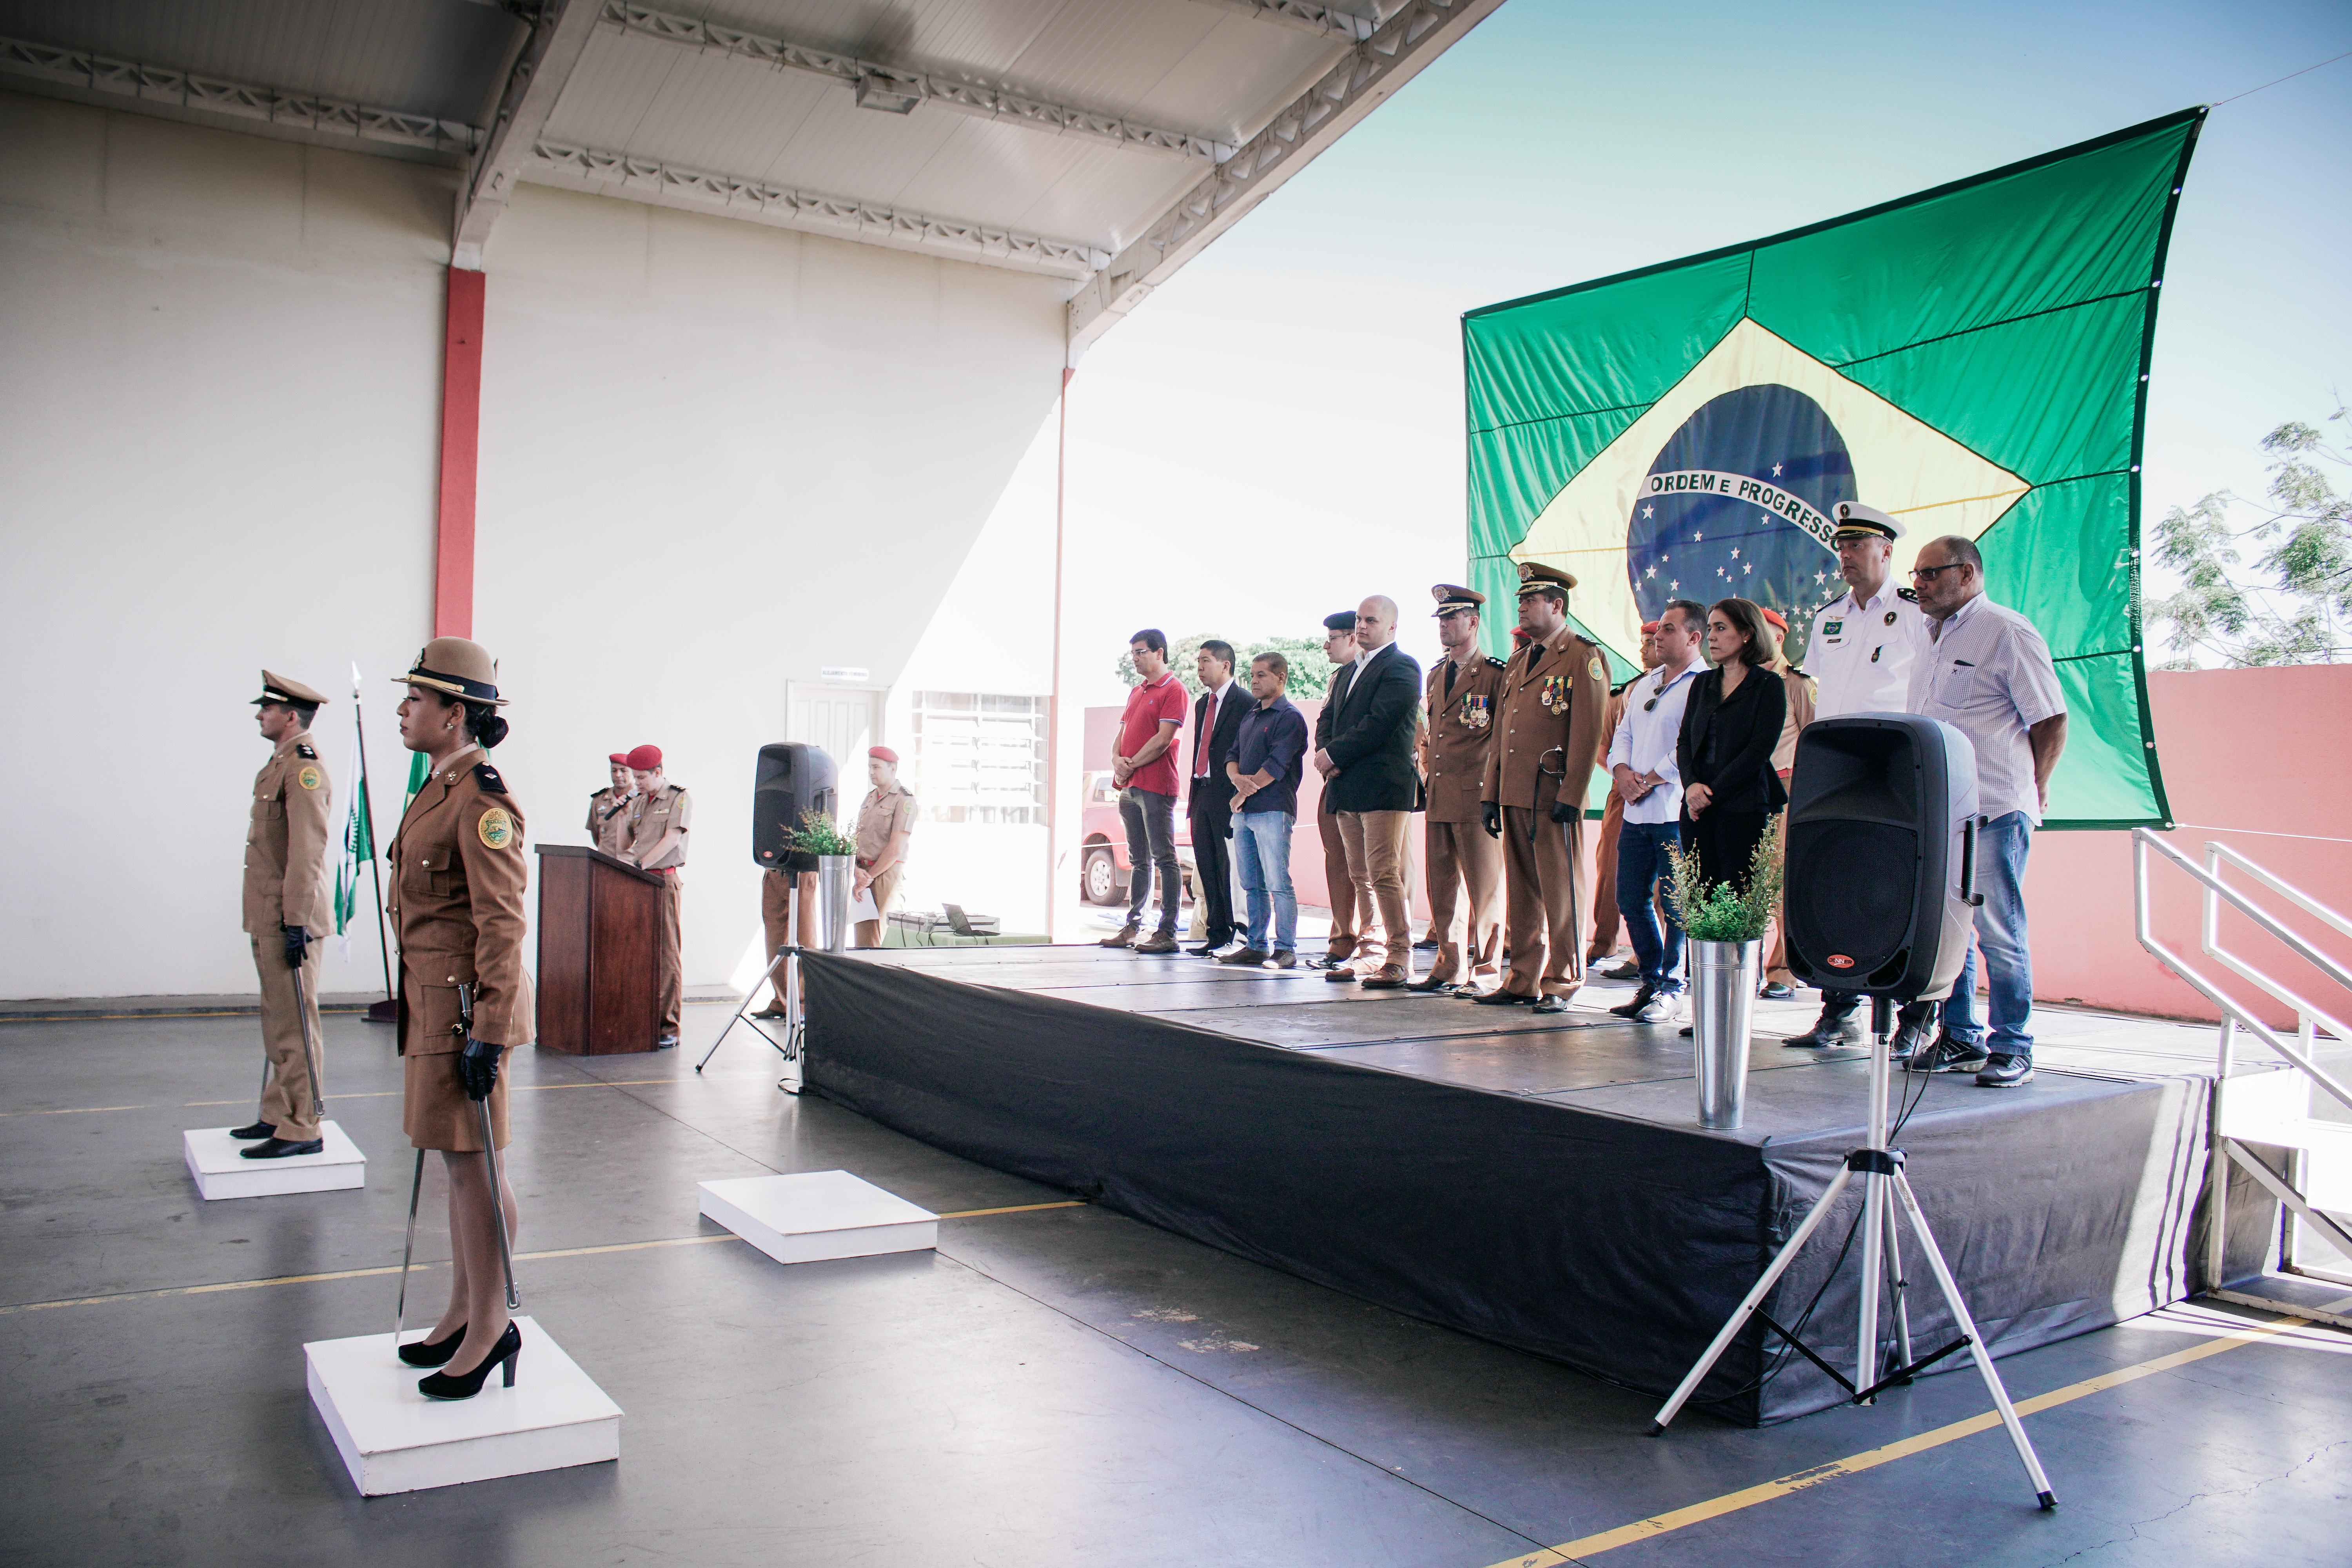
(1058, 1386)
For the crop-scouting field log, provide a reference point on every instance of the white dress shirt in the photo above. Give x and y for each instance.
(1645, 739)
(1861, 655)
(1986, 672)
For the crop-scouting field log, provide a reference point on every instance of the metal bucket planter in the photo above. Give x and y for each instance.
(833, 877)
(1724, 976)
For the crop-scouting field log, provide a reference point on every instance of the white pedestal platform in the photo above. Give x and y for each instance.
(814, 1215)
(221, 1172)
(393, 1439)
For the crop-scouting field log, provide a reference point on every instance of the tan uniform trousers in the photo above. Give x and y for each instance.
(673, 955)
(1608, 925)
(1547, 897)
(1374, 842)
(1339, 885)
(777, 889)
(886, 888)
(1463, 856)
(288, 1103)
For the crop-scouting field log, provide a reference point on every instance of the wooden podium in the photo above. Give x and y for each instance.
(599, 952)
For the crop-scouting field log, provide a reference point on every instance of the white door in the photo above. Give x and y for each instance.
(842, 720)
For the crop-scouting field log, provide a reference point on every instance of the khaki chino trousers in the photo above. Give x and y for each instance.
(1375, 846)
(1543, 871)
(287, 1104)
(1463, 856)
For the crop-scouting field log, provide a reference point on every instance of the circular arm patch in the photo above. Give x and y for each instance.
(496, 827)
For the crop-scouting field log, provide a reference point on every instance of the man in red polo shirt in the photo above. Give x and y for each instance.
(1143, 768)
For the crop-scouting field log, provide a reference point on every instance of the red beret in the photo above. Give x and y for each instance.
(1774, 617)
(885, 753)
(1649, 626)
(620, 757)
(644, 759)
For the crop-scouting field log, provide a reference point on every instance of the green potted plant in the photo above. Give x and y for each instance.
(836, 855)
(1725, 923)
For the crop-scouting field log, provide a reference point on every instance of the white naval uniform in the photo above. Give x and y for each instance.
(1861, 655)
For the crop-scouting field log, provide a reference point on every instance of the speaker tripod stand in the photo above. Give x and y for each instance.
(790, 1049)
(1881, 1170)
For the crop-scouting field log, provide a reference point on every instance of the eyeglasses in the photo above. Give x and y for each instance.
(1930, 574)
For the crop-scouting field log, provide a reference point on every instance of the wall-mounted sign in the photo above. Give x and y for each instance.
(843, 672)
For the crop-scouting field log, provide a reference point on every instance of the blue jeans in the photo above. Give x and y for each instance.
(1261, 856)
(1641, 863)
(2001, 847)
(1150, 819)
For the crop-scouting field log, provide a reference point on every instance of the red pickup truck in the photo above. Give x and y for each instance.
(1103, 865)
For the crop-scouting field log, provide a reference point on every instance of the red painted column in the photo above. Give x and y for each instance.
(461, 416)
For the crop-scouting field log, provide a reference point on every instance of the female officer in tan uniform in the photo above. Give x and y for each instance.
(457, 912)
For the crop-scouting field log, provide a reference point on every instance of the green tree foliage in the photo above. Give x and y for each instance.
(1310, 673)
(2298, 612)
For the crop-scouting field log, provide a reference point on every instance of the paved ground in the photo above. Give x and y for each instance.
(1055, 1386)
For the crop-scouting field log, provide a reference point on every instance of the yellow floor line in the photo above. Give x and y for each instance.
(1573, 1551)
(370, 1094)
(81, 1109)
(394, 1268)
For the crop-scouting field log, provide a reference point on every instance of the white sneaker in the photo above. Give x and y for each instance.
(1660, 1010)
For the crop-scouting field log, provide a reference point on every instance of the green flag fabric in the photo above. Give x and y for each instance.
(359, 847)
(1972, 359)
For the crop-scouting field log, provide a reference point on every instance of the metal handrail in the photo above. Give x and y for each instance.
(2215, 853)
(2309, 1010)
(2142, 838)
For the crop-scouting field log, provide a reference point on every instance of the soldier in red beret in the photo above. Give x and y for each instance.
(885, 820)
(609, 817)
(657, 844)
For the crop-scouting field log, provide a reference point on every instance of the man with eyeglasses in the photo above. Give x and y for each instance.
(1644, 775)
(1860, 656)
(1986, 671)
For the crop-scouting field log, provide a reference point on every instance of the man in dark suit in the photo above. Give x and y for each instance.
(1216, 725)
(1367, 761)
(1340, 648)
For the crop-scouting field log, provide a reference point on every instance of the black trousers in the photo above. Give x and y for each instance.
(1213, 858)
(1726, 841)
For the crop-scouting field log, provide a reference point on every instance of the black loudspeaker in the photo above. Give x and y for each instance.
(1880, 832)
(793, 781)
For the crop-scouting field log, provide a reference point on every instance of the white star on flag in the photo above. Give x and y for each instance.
(1776, 470)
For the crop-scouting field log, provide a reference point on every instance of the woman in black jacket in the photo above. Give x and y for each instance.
(1729, 728)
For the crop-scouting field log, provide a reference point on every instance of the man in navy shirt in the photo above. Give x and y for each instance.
(1264, 770)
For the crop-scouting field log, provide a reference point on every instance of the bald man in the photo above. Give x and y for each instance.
(1367, 761)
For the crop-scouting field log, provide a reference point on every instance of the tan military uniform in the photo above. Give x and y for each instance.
(612, 816)
(458, 881)
(1461, 857)
(286, 883)
(667, 807)
(882, 815)
(1549, 713)
(1608, 925)
(776, 891)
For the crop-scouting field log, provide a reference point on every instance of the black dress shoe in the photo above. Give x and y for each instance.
(280, 1149)
(770, 1011)
(1432, 982)
(247, 1135)
(1500, 998)
(1207, 949)
(1641, 1000)
(1832, 1029)
(507, 1353)
(1427, 944)
(428, 1352)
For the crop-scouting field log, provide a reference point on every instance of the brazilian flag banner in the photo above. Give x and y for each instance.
(1972, 359)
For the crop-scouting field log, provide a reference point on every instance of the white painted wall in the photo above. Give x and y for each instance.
(715, 457)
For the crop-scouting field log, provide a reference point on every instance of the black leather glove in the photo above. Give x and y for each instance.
(298, 944)
(477, 1068)
(1565, 811)
(1490, 817)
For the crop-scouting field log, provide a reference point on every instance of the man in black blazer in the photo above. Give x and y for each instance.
(1369, 778)
(1216, 725)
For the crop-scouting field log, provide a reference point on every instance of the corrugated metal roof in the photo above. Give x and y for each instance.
(1123, 105)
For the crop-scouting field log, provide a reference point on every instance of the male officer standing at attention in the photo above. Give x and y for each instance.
(657, 844)
(609, 817)
(1538, 772)
(886, 821)
(287, 907)
(1460, 701)
(1340, 648)
(1860, 656)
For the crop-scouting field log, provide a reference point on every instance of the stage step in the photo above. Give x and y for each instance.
(221, 1171)
(2274, 1107)
(814, 1215)
(393, 1439)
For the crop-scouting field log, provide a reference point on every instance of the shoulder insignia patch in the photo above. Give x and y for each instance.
(307, 778)
(1906, 595)
(1597, 670)
(302, 750)
(488, 777)
(1494, 663)
(496, 829)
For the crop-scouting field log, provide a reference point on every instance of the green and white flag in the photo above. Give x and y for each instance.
(1972, 359)
(359, 847)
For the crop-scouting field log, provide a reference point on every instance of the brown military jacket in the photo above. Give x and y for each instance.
(610, 818)
(653, 817)
(457, 906)
(286, 842)
(1556, 703)
(881, 814)
(1461, 732)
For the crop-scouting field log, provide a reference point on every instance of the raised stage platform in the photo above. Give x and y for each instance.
(1537, 1180)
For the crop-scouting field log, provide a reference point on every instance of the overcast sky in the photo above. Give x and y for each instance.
(1278, 431)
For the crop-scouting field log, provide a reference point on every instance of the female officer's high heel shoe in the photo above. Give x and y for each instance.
(434, 1353)
(465, 1385)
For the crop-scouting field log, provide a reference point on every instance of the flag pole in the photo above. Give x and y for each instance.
(387, 1010)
